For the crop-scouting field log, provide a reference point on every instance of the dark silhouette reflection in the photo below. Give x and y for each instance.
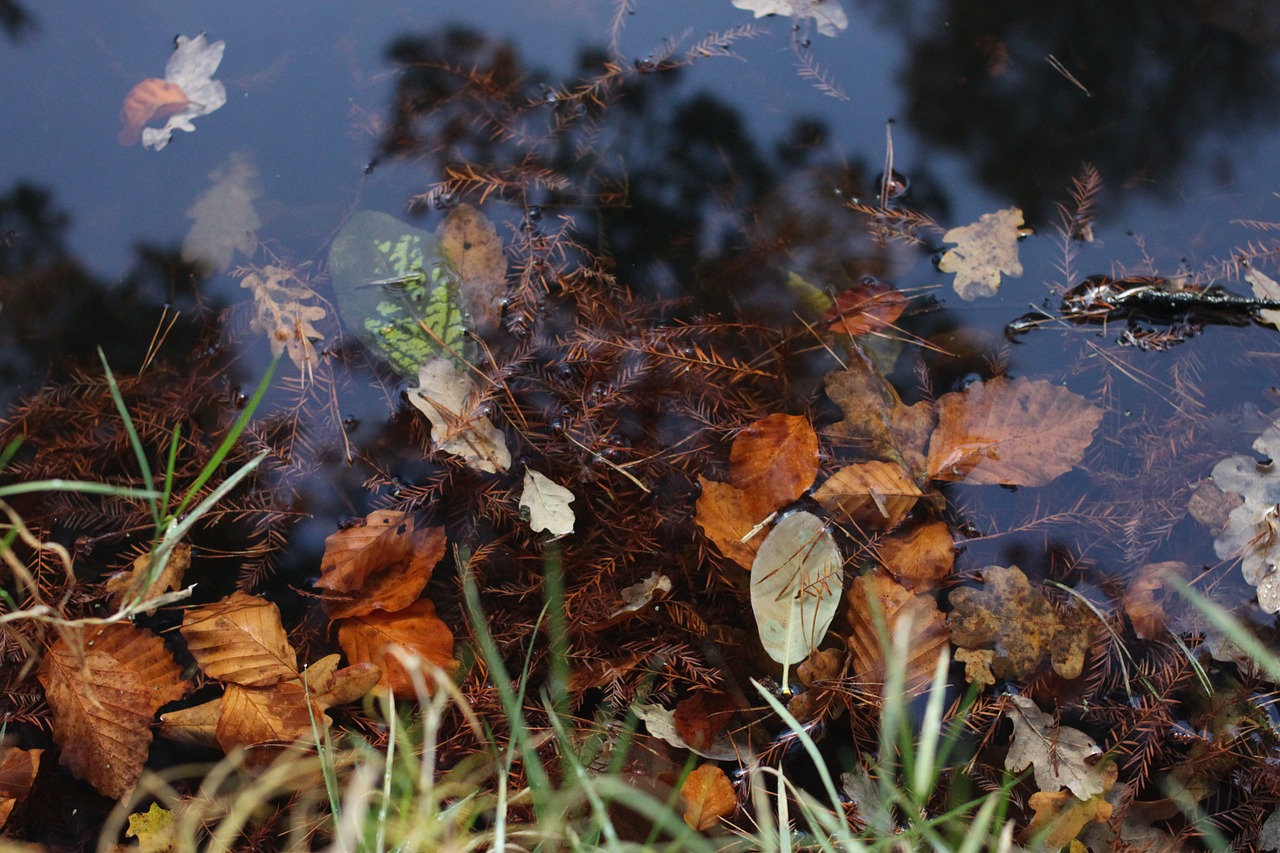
(1162, 82)
(15, 20)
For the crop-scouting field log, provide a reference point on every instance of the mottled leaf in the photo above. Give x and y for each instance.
(984, 250)
(708, 795)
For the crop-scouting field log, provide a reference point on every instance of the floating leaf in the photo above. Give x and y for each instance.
(278, 715)
(447, 397)
(225, 221)
(18, 768)
(977, 666)
(775, 459)
(1264, 287)
(280, 313)
(151, 99)
(547, 503)
(240, 639)
(726, 516)
(920, 558)
(154, 829)
(876, 603)
(1063, 757)
(382, 564)
(828, 15)
(1019, 432)
(874, 494)
(816, 672)
(1060, 817)
(867, 307)
(197, 725)
(984, 250)
(635, 598)
(187, 92)
(473, 246)
(416, 629)
(1253, 528)
(104, 692)
(796, 581)
(708, 796)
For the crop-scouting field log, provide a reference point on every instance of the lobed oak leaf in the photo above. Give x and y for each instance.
(1252, 532)
(869, 306)
(1059, 817)
(708, 795)
(225, 219)
(18, 768)
(876, 600)
(155, 830)
(701, 717)
(191, 68)
(281, 312)
(876, 495)
(983, 251)
(153, 98)
(1019, 432)
(726, 516)
(448, 398)
(133, 585)
(383, 564)
(1264, 287)
(977, 666)
(775, 460)
(474, 248)
(1063, 757)
(875, 418)
(920, 558)
(817, 673)
(547, 503)
(796, 581)
(828, 15)
(240, 639)
(104, 689)
(416, 629)
(1144, 600)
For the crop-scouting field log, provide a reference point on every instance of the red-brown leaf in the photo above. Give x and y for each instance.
(240, 639)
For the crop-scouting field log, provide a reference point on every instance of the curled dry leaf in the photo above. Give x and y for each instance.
(282, 313)
(984, 250)
(875, 600)
(18, 768)
(240, 639)
(153, 98)
(474, 248)
(700, 718)
(382, 564)
(708, 796)
(796, 581)
(876, 495)
(635, 598)
(547, 503)
(132, 585)
(1019, 432)
(416, 629)
(104, 689)
(1144, 600)
(448, 398)
(814, 673)
(225, 219)
(867, 307)
(1063, 757)
(920, 558)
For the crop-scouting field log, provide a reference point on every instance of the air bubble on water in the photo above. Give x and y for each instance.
(350, 423)
(533, 213)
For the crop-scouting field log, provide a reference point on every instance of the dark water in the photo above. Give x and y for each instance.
(737, 171)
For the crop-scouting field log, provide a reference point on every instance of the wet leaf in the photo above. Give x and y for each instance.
(382, 564)
(726, 515)
(876, 421)
(187, 92)
(197, 725)
(867, 307)
(280, 313)
(700, 718)
(661, 724)
(416, 629)
(1062, 757)
(819, 669)
(18, 768)
(547, 503)
(796, 581)
(129, 585)
(977, 666)
(599, 673)
(1253, 528)
(983, 251)
(256, 716)
(1264, 287)
(240, 639)
(775, 459)
(154, 830)
(448, 398)
(876, 600)
(1020, 432)
(635, 598)
(920, 558)
(708, 796)
(225, 220)
(472, 244)
(1019, 624)
(103, 703)
(1060, 817)
(151, 99)
(876, 495)
(1147, 594)
(828, 15)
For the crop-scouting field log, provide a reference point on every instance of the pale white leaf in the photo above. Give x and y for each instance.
(661, 723)
(796, 582)
(548, 504)
(1264, 287)
(225, 219)
(447, 397)
(1253, 528)
(827, 14)
(191, 68)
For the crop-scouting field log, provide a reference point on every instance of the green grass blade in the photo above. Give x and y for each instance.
(140, 452)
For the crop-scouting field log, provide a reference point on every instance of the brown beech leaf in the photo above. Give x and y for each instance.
(726, 515)
(876, 421)
(240, 639)
(920, 558)
(153, 98)
(330, 685)
(774, 459)
(385, 563)
(257, 716)
(416, 629)
(128, 585)
(104, 690)
(472, 243)
(702, 716)
(875, 598)
(18, 769)
(867, 307)
(708, 796)
(1147, 594)
(196, 725)
(1020, 432)
(876, 495)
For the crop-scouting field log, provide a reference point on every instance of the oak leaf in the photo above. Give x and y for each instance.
(876, 495)
(775, 459)
(282, 311)
(18, 768)
(1063, 757)
(383, 563)
(867, 307)
(474, 248)
(191, 68)
(828, 15)
(818, 673)
(225, 219)
(1253, 528)
(547, 503)
(1060, 817)
(1019, 432)
(153, 98)
(1264, 287)
(984, 250)
(416, 629)
(876, 421)
(240, 639)
(796, 581)
(448, 398)
(708, 796)
(155, 830)
(133, 585)
(104, 689)
(920, 558)
(877, 602)
(977, 666)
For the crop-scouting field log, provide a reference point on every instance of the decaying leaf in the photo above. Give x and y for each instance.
(796, 581)
(475, 249)
(151, 99)
(828, 15)
(700, 718)
(1253, 528)
(815, 673)
(154, 830)
(661, 724)
(983, 251)
(977, 666)
(225, 220)
(447, 396)
(635, 598)
(877, 600)
(920, 558)
(775, 459)
(104, 693)
(382, 564)
(1019, 623)
(873, 495)
(876, 421)
(867, 307)
(18, 768)
(416, 629)
(280, 312)
(728, 517)
(1063, 757)
(708, 796)
(132, 585)
(1019, 432)
(547, 503)
(1144, 601)
(599, 673)
(1060, 817)
(187, 92)
(1264, 287)
(240, 639)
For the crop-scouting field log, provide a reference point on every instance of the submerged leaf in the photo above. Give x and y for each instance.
(867, 307)
(225, 221)
(796, 581)
(1062, 756)
(984, 250)
(547, 503)
(726, 516)
(18, 768)
(872, 494)
(281, 312)
(776, 459)
(447, 397)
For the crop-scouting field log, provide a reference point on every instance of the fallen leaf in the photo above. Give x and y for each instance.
(191, 69)
(547, 503)
(240, 639)
(876, 495)
(448, 398)
(876, 420)
(1253, 528)
(635, 598)
(472, 243)
(708, 796)
(796, 581)
(132, 585)
(1212, 507)
(225, 220)
(828, 15)
(1264, 287)
(197, 725)
(1019, 432)
(154, 830)
(920, 558)
(330, 685)
(280, 313)
(700, 718)
(416, 629)
(726, 515)
(877, 602)
(382, 564)
(775, 460)
(151, 99)
(661, 724)
(18, 768)
(599, 673)
(261, 716)
(816, 673)
(984, 250)
(977, 666)
(1060, 817)
(1147, 594)
(104, 691)
(867, 307)
(1062, 757)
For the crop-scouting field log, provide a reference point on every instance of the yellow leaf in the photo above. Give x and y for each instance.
(154, 830)
(984, 250)
(708, 796)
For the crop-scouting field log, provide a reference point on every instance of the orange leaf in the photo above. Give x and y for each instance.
(920, 558)
(875, 418)
(104, 690)
(725, 515)
(386, 563)
(240, 639)
(877, 598)
(1144, 599)
(254, 716)
(875, 494)
(416, 629)
(708, 796)
(18, 769)
(1020, 432)
(868, 306)
(775, 460)
(153, 98)
(125, 585)
(701, 717)
(196, 725)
